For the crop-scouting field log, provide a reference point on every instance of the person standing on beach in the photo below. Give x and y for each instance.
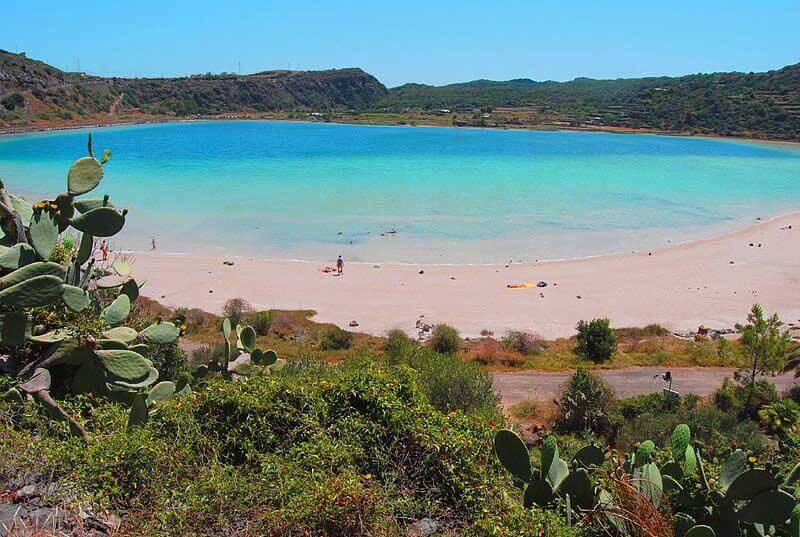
(104, 250)
(339, 265)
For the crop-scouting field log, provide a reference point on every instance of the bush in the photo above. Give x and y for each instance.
(445, 339)
(780, 418)
(12, 101)
(596, 340)
(490, 352)
(451, 384)
(235, 309)
(585, 403)
(522, 342)
(260, 321)
(336, 339)
(398, 344)
(170, 360)
(732, 396)
(208, 353)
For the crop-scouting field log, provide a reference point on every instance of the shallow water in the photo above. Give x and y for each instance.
(313, 191)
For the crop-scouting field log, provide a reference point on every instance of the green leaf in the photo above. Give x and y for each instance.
(226, 328)
(85, 248)
(75, 298)
(41, 268)
(44, 233)
(84, 175)
(124, 364)
(148, 381)
(117, 311)
(37, 291)
(54, 336)
(513, 454)
(18, 256)
(100, 222)
(121, 333)
(138, 414)
(161, 392)
(161, 333)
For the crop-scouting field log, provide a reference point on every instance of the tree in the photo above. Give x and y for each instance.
(766, 345)
(596, 340)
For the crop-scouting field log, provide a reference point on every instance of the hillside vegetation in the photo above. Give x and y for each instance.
(761, 105)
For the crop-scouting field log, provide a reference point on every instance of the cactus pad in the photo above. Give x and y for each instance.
(735, 465)
(557, 473)
(121, 267)
(645, 452)
(85, 248)
(161, 392)
(161, 333)
(117, 311)
(100, 222)
(679, 441)
(248, 338)
(39, 381)
(769, 508)
(241, 368)
(690, 460)
(750, 484)
(27, 272)
(84, 175)
(513, 454)
(549, 452)
(270, 357)
(590, 455)
(650, 483)
(90, 378)
(152, 376)
(54, 336)
(700, 531)
(138, 414)
(18, 256)
(124, 334)
(124, 364)
(86, 205)
(75, 298)
(43, 231)
(37, 291)
(579, 487)
(538, 492)
(110, 282)
(12, 331)
(131, 289)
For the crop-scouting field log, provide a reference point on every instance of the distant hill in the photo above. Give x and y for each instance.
(46, 90)
(757, 104)
(764, 105)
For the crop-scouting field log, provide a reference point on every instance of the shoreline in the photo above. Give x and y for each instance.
(13, 131)
(709, 281)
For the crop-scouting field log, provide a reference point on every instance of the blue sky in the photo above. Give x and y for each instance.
(433, 41)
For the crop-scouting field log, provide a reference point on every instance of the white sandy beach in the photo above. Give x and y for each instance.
(712, 282)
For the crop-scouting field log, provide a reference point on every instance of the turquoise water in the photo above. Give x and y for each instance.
(313, 191)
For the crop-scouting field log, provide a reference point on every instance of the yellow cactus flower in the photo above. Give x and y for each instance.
(752, 459)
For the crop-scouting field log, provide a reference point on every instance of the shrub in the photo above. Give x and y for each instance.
(260, 321)
(781, 417)
(489, 352)
(208, 353)
(12, 101)
(522, 342)
(596, 340)
(732, 396)
(336, 339)
(235, 309)
(451, 384)
(398, 344)
(170, 360)
(445, 339)
(526, 410)
(585, 402)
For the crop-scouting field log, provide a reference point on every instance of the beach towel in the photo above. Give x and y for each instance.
(523, 285)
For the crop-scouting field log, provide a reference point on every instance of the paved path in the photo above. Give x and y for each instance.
(519, 385)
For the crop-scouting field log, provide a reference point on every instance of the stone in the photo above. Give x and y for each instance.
(422, 528)
(353, 323)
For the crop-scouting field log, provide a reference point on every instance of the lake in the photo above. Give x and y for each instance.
(438, 195)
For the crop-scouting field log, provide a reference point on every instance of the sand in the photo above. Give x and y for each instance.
(712, 282)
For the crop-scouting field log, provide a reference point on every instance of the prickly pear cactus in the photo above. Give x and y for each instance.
(114, 365)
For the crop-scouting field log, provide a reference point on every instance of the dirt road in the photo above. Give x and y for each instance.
(519, 385)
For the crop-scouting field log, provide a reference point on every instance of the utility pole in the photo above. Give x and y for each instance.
(239, 68)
